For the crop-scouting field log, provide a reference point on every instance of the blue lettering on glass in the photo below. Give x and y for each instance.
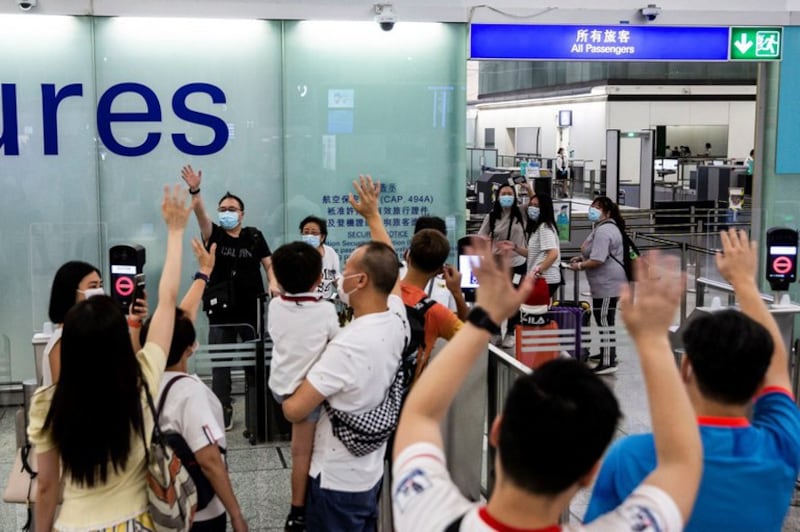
(9, 140)
(216, 124)
(105, 118)
(598, 43)
(50, 102)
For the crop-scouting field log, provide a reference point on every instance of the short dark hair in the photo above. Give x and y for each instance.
(65, 283)
(556, 424)
(297, 266)
(232, 196)
(730, 364)
(380, 263)
(323, 225)
(430, 222)
(429, 250)
(183, 336)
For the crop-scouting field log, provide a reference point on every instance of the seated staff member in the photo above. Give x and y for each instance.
(314, 232)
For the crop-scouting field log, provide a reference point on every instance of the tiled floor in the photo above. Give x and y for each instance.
(260, 473)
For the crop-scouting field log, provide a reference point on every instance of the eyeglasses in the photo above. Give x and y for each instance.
(228, 209)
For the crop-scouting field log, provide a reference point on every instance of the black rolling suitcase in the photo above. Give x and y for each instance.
(270, 424)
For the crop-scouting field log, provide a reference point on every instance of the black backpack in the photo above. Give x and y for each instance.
(414, 351)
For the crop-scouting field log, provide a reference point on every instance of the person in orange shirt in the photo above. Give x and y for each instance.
(425, 259)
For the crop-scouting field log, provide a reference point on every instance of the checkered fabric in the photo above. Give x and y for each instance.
(365, 432)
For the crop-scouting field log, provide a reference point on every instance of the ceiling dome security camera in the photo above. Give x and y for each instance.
(26, 5)
(651, 12)
(385, 16)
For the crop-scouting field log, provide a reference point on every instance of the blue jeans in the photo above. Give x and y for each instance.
(221, 377)
(341, 511)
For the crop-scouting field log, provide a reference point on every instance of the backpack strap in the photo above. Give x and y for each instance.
(622, 236)
(422, 307)
(173, 380)
(455, 525)
(424, 304)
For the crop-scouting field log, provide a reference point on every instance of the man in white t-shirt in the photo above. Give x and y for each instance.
(555, 425)
(354, 376)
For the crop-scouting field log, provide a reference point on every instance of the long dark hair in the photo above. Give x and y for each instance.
(605, 204)
(546, 215)
(65, 284)
(96, 407)
(497, 210)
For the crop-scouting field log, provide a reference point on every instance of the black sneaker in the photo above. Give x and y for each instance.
(295, 523)
(605, 369)
(227, 414)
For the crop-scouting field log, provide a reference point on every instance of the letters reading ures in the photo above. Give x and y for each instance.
(52, 98)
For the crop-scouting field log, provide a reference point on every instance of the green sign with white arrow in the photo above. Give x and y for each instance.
(756, 44)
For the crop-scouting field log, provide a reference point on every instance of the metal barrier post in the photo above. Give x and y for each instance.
(684, 294)
(491, 414)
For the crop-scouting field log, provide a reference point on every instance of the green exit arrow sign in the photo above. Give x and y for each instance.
(756, 44)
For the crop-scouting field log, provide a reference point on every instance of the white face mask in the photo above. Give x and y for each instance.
(344, 297)
(91, 292)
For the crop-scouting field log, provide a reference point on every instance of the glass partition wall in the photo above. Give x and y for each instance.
(100, 113)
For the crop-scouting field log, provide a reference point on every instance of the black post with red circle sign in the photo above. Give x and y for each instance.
(782, 246)
(126, 262)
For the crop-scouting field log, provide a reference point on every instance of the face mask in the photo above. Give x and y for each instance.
(228, 220)
(91, 292)
(506, 201)
(533, 213)
(594, 214)
(344, 297)
(311, 240)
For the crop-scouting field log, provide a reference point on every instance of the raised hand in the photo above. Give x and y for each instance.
(738, 260)
(496, 294)
(452, 278)
(138, 310)
(368, 192)
(191, 177)
(659, 285)
(174, 209)
(205, 258)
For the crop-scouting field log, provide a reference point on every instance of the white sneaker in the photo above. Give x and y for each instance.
(509, 341)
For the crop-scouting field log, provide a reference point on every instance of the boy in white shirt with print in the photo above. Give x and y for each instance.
(300, 324)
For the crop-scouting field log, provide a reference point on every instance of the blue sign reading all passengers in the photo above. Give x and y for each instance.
(598, 43)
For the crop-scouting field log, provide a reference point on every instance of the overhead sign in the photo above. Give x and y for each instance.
(756, 44)
(598, 43)
(623, 43)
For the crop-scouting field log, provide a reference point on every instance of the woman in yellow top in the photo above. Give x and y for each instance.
(91, 421)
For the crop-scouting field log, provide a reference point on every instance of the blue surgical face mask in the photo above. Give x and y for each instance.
(311, 240)
(506, 201)
(594, 214)
(228, 220)
(533, 212)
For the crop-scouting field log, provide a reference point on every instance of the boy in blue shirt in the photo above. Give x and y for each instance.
(733, 359)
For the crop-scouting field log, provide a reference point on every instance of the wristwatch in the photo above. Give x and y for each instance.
(479, 318)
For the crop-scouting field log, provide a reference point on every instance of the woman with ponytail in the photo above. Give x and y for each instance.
(602, 257)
